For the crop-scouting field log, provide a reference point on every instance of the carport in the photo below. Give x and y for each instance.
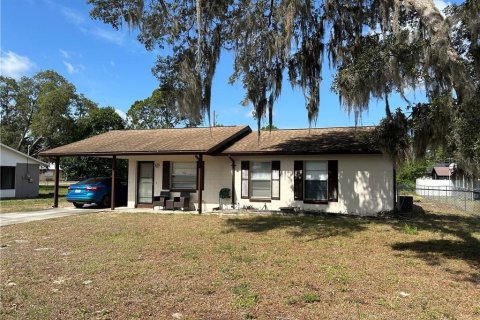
(57, 174)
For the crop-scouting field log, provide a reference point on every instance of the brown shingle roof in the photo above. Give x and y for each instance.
(344, 140)
(155, 141)
(442, 171)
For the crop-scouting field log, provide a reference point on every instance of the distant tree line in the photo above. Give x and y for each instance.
(46, 111)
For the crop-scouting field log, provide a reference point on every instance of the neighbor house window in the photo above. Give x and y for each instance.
(7, 177)
(316, 180)
(184, 175)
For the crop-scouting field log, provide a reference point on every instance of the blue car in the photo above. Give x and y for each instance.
(98, 191)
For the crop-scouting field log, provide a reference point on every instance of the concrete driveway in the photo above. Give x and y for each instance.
(22, 217)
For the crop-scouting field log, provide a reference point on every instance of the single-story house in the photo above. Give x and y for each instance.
(47, 173)
(441, 173)
(331, 169)
(19, 174)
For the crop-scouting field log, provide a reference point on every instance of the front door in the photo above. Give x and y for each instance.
(145, 182)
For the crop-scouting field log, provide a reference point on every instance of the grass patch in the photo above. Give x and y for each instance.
(44, 201)
(310, 298)
(412, 230)
(46, 191)
(336, 273)
(140, 266)
(244, 297)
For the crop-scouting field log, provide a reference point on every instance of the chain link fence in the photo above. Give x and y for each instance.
(463, 199)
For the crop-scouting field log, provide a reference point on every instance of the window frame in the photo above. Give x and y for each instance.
(250, 181)
(315, 201)
(11, 185)
(139, 164)
(171, 176)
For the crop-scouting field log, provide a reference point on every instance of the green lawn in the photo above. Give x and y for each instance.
(44, 201)
(114, 265)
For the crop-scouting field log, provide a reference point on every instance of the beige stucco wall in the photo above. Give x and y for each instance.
(365, 182)
(217, 176)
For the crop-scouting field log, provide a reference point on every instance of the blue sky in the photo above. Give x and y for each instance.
(113, 69)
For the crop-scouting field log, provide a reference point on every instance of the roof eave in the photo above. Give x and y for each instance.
(119, 153)
(288, 153)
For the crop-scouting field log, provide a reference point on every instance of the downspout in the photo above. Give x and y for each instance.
(200, 174)
(233, 180)
(394, 189)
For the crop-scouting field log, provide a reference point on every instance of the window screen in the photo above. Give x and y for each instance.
(260, 178)
(316, 180)
(184, 175)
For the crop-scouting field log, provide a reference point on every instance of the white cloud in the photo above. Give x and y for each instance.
(14, 65)
(113, 36)
(72, 16)
(86, 25)
(71, 69)
(65, 54)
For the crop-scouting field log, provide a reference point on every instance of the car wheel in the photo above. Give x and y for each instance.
(78, 205)
(106, 201)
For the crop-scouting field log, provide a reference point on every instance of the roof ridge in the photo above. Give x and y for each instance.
(339, 127)
(233, 126)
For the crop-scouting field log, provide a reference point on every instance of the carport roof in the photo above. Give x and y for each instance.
(339, 140)
(153, 141)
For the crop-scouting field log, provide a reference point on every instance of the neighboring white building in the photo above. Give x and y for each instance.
(47, 173)
(332, 169)
(19, 174)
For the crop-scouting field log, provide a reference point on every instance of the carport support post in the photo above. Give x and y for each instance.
(112, 196)
(57, 178)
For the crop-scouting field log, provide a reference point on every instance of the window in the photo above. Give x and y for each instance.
(260, 179)
(7, 177)
(316, 180)
(184, 176)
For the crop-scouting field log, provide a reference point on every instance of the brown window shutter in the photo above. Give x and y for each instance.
(333, 180)
(201, 164)
(244, 178)
(298, 180)
(275, 180)
(166, 175)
